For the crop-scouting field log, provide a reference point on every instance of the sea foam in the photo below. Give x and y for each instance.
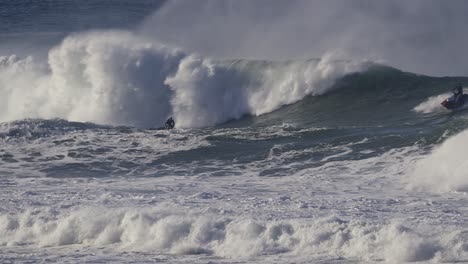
(170, 232)
(445, 168)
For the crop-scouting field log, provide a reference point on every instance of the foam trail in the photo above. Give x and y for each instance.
(445, 168)
(432, 104)
(116, 77)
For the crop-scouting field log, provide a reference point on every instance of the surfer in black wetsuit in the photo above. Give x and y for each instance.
(170, 124)
(458, 95)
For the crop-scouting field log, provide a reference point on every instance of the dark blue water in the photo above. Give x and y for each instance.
(52, 16)
(32, 27)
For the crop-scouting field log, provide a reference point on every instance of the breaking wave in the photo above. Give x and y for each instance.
(170, 232)
(445, 168)
(116, 77)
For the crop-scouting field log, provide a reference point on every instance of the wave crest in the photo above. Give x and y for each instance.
(116, 77)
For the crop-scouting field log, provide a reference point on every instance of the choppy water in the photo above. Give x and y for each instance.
(312, 161)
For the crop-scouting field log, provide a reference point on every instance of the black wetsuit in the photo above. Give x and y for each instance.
(458, 96)
(170, 124)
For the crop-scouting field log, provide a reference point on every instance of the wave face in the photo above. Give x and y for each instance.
(120, 78)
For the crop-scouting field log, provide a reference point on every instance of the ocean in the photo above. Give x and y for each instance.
(312, 160)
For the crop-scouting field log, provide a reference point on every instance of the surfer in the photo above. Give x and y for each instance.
(458, 94)
(457, 100)
(170, 124)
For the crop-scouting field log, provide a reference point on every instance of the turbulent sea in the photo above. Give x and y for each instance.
(304, 161)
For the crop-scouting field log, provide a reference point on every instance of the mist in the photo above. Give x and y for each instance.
(422, 36)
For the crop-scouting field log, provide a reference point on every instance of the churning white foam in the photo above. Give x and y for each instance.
(445, 169)
(117, 77)
(106, 77)
(169, 232)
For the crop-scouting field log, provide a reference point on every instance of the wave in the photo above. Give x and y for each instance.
(445, 168)
(101, 78)
(119, 78)
(116, 77)
(377, 96)
(185, 233)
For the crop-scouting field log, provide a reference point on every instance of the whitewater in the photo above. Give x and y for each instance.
(325, 159)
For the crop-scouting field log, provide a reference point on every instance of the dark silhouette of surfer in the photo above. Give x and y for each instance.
(458, 95)
(170, 123)
(457, 100)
